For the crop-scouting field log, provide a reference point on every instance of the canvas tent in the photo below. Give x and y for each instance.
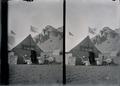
(69, 59)
(85, 48)
(24, 48)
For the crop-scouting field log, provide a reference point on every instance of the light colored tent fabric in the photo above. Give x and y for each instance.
(69, 59)
(114, 53)
(25, 47)
(12, 59)
(67, 55)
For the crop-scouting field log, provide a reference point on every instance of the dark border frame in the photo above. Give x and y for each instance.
(4, 45)
(64, 26)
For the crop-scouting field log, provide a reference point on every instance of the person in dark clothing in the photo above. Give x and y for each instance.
(34, 57)
(92, 58)
(46, 60)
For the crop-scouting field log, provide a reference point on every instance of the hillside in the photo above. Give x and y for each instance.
(107, 40)
(50, 39)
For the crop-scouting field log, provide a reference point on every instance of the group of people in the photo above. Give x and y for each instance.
(45, 59)
(33, 58)
(98, 61)
(85, 60)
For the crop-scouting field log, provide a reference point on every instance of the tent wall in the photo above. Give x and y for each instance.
(83, 49)
(24, 48)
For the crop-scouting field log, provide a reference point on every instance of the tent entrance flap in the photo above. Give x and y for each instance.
(92, 58)
(34, 57)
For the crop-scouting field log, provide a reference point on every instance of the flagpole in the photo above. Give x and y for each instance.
(88, 36)
(30, 44)
(88, 31)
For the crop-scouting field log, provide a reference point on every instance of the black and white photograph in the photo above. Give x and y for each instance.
(35, 42)
(92, 42)
(60, 42)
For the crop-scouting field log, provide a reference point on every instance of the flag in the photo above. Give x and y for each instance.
(34, 29)
(12, 32)
(11, 39)
(92, 30)
(71, 34)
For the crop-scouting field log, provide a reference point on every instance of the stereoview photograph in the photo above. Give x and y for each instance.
(35, 41)
(92, 42)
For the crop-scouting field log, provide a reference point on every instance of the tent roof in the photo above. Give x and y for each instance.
(85, 43)
(27, 45)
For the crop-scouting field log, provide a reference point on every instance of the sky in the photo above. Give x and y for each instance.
(81, 14)
(39, 13)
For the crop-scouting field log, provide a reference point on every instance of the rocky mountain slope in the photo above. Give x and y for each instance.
(107, 40)
(50, 39)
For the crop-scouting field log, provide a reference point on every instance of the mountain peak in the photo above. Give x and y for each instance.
(50, 38)
(107, 40)
(107, 28)
(49, 28)
(105, 34)
(47, 33)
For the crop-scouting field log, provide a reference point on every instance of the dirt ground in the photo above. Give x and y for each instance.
(51, 75)
(93, 75)
(35, 74)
